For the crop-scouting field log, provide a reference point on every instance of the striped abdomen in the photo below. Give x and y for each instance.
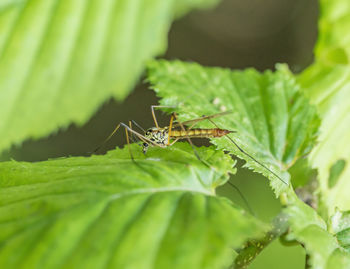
(205, 133)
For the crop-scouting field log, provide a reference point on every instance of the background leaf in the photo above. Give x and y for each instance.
(60, 60)
(108, 211)
(308, 228)
(181, 7)
(340, 223)
(327, 83)
(274, 122)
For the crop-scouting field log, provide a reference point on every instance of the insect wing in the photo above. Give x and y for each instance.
(189, 122)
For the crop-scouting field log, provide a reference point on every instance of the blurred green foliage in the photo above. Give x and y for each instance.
(60, 60)
(327, 83)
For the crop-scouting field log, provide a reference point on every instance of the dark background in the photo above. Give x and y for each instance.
(236, 34)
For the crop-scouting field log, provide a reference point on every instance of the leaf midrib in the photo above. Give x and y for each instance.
(116, 196)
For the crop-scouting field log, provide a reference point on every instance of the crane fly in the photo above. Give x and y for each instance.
(167, 136)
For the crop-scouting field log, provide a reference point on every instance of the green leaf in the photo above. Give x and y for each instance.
(309, 229)
(327, 84)
(274, 122)
(253, 247)
(60, 60)
(339, 259)
(182, 6)
(335, 171)
(340, 224)
(333, 45)
(159, 211)
(8, 3)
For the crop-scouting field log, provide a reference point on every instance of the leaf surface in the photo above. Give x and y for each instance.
(60, 60)
(273, 121)
(308, 228)
(159, 211)
(327, 84)
(340, 223)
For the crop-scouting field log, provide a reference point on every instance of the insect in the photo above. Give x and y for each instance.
(167, 136)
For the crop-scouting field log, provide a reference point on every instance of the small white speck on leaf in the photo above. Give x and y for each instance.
(216, 101)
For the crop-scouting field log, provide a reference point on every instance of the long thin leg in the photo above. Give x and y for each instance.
(107, 139)
(127, 140)
(179, 123)
(187, 137)
(172, 143)
(140, 136)
(133, 136)
(170, 128)
(197, 155)
(251, 157)
(205, 118)
(138, 126)
(206, 163)
(242, 197)
(195, 121)
(154, 115)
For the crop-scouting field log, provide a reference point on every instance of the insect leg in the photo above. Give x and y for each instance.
(154, 115)
(169, 133)
(248, 155)
(242, 197)
(195, 121)
(203, 161)
(207, 164)
(133, 136)
(127, 140)
(140, 136)
(172, 143)
(187, 137)
(170, 128)
(138, 126)
(107, 139)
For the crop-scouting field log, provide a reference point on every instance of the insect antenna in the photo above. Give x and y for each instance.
(251, 157)
(106, 140)
(138, 126)
(128, 129)
(133, 137)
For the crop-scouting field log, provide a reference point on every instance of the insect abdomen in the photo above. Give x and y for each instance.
(199, 133)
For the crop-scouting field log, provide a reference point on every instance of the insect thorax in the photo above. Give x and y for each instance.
(158, 136)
